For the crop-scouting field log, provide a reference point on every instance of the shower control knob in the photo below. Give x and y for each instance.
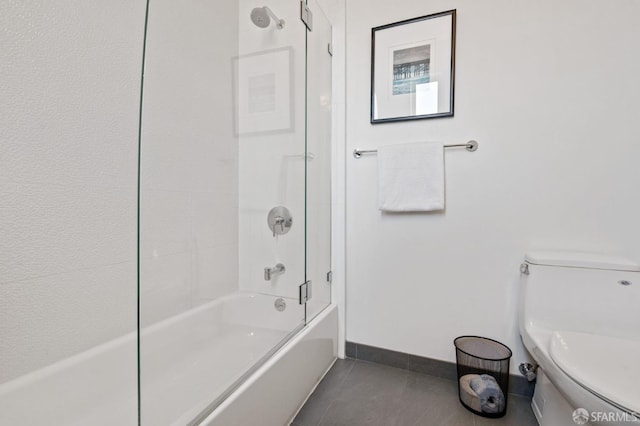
(279, 220)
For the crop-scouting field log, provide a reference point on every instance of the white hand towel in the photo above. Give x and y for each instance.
(411, 177)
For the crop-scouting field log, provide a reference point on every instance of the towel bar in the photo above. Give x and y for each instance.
(470, 146)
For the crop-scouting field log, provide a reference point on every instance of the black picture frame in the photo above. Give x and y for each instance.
(410, 62)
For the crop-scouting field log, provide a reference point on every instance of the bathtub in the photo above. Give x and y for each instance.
(235, 360)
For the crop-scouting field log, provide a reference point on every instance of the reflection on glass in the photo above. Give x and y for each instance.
(427, 98)
(218, 123)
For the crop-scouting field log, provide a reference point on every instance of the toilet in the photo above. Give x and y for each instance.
(579, 318)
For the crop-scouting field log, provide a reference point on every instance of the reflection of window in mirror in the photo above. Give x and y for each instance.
(427, 98)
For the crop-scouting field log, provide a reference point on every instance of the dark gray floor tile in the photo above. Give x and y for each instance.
(519, 413)
(371, 395)
(358, 412)
(445, 411)
(520, 386)
(334, 379)
(357, 393)
(326, 391)
(312, 412)
(431, 384)
(367, 376)
(438, 402)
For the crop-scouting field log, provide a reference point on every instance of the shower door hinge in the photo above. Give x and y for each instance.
(305, 292)
(330, 277)
(306, 15)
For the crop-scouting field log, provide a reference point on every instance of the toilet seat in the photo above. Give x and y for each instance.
(606, 366)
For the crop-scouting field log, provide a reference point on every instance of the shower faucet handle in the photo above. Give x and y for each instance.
(279, 220)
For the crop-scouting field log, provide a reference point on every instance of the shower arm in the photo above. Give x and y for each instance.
(279, 22)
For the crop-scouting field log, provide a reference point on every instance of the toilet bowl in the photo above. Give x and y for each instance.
(578, 318)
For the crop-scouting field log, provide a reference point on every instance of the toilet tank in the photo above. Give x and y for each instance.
(583, 292)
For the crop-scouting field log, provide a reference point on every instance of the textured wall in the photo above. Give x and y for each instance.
(550, 91)
(69, 96)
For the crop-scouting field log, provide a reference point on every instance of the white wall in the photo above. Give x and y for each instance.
(189, 158)
(550, 92)
(69, 96)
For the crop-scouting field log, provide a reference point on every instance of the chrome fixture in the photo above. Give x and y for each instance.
(279, 269)
(306, 15)
(280, 304)
(279, 220)
(304, 292)
(528, 370)
(470, 146)
(261, 17)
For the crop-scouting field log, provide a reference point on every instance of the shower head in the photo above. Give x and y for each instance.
(261, 17)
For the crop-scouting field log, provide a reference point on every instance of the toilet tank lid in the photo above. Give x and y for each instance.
(575, 259)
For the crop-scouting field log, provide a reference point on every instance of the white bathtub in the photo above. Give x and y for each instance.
(187, 364)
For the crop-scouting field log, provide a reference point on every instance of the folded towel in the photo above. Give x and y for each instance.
(468, 396)
(491, 397)
(411, 177)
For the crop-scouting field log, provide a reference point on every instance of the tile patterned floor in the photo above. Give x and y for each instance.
(357, 393)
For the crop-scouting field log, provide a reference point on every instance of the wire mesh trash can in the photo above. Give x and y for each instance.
(483, 375)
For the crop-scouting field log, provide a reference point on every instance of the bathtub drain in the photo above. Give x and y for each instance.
(280, 304)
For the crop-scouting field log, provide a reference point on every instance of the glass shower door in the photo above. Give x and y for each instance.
(222, 200)
(319, 130)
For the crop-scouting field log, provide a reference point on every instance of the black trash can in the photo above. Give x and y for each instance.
(483, 375)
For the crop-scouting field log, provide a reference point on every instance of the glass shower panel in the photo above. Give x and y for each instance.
(222, 153)
(318, 160)
(269, 74)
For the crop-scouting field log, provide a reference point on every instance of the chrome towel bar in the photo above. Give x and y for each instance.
(470, 146)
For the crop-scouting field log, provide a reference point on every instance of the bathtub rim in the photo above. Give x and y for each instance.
(58, 366)
(278, 355)
(213, 406)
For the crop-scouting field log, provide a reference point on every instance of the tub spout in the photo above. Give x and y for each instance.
(276, 270)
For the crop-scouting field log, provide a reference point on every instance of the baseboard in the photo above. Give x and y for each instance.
(518, 385)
